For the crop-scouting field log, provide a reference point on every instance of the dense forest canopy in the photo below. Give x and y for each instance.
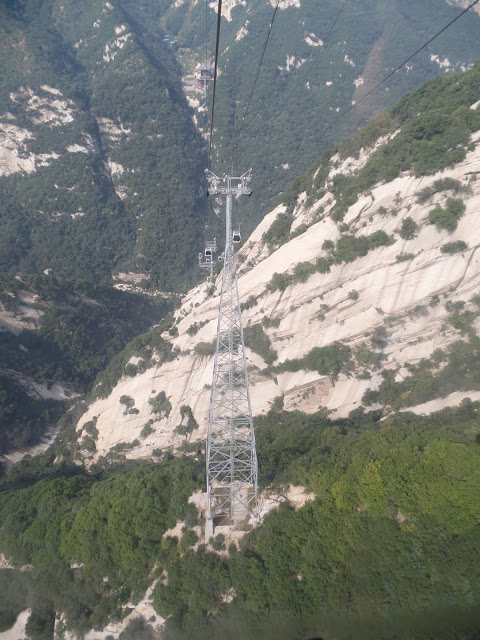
(391, 536)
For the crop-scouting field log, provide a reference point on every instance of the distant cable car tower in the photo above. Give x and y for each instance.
(203, 76)
(232, 491)
(206, 259)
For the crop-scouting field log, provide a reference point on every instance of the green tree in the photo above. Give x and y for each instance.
(408, 229)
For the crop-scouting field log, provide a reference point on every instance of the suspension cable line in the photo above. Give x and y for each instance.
(206, 223)
(349, 110)
(217, 44)
(206, 32)
(327, 37)
(210, 216)
(387, 77)
(247, 107)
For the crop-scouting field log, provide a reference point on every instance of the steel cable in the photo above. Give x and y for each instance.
(379, 84)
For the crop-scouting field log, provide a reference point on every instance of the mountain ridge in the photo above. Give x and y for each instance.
(383, 294)
(122, 200)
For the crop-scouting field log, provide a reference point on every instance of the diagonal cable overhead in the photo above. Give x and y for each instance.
(217, 45)
(402, 64)
(327, 37)
(247, 107)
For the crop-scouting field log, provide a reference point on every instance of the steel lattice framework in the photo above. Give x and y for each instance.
(231, 456)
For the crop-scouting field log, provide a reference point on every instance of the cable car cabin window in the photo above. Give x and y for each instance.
(208, 252)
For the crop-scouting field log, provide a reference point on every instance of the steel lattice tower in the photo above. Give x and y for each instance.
(231, 456)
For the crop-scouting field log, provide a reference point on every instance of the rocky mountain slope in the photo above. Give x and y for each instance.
(321, 58)
(100, 157)
(55, 336)
(100, 163)
(335, 304)
(360, 297)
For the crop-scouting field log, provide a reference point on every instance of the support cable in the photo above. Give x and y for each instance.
(206, 86)
(206, 32)
(379, 84)
(242, 122)
(217, 44)
(247, 107)
(335, 22)
(206, 221)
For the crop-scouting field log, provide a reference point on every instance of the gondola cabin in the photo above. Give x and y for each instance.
(210, 248)
(236, 238)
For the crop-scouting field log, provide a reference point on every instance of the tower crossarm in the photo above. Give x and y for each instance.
(228, 185)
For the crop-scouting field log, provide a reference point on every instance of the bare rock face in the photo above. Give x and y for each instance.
(377, 291)
(46, 107)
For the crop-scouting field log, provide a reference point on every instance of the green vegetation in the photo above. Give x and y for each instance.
(391, 543)
(147, 429)
(14, 595)
(206, 348)
(128, 402)
(434, 124)
(379, 337)
(460, 318)
(159, 149)
(113, 524)
(368, 359)
(194, 328)
(327, 361)
(353, 295)
(442, 184)
(137, 629)
(257, 340)
(81, 330)
(279, 231)
(82, 327)
(425, 382)
(152, 350)
(41, 623)
(250, 302)
(302, 227)
(191, 424)
(408, 230)
(406, 488)
(23, 419)
(447, 218)
(454, 247)
(405, 257)
(350, 247)
(273, 322)
(274, 141)
(347, 249)
(161, 405)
